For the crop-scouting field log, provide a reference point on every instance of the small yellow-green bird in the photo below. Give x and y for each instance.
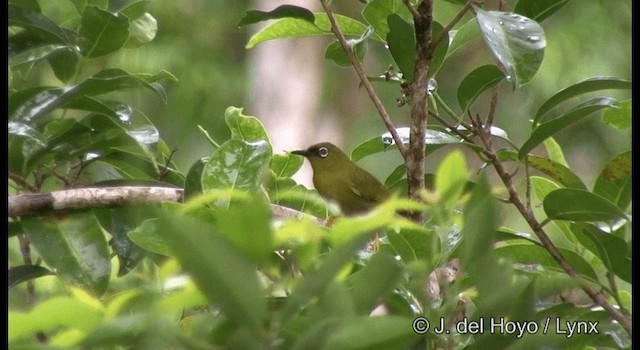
(338, 179)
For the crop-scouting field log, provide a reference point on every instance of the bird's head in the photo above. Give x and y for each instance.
(324, 155)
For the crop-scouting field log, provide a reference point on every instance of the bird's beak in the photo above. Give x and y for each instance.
(303, 153)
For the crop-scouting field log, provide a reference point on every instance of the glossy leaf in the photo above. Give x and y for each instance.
(476, 82)
(237, 164)
(517, 42)
(432, 137)
(463, 36)
(579, 205)
(547, 129)
(35, 54)
(146, 236)
(534, 254)
(538, 10)
(142, 30)
(556, 171)
(614, 181)
(75, 246)
(104, 32)
(620, 117)
(283, 11)
(23, 17)
(612, 250)
(373, 282)
(286, 164)
(585, 86)
(401, 40)
(244, 127)
(384, 332)
(295, 27)
(23, 273)
(220, 270)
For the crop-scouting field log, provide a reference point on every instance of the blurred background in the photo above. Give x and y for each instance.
(302, 98)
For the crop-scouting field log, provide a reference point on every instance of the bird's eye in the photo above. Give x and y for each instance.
(323, 152)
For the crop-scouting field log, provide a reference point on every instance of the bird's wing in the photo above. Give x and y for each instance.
(362, 187)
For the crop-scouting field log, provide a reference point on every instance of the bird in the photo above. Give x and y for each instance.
(337, 179)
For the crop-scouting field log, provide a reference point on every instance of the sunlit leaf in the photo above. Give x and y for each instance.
(283, 11)
(620, 117)
(244, 127)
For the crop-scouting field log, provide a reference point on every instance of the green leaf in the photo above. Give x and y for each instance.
(285, 165)
(517, 42)
(614, 182)
(546, 129)
(375, 12)
(585, 86)
(373, 282)
(147, 237)
(535, 254)
(103, 32)
(295, 27)
(384, 332)
(538, 10)
(75, 246)
(244, 127)
(23, 17)
(441, 50)
(287, 192)
(554, 151)
(246, 224)
(451, 178)
(221, 271)
(401, 40)
(23, 273)
(314, 282)
(416, 244)
(556, 171)
(579, 205)
(283, 11)
(619, 118)
(336, 53)
(35, 54)
(193, 181)
(142, 30)
(371, 146)
(612, 250)
(64, 63)
(462, 36)
(477, 82)
(237, 164)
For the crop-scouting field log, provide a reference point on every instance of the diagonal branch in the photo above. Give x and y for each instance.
(363, 78)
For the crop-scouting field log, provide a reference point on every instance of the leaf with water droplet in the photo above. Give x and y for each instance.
(516, 41)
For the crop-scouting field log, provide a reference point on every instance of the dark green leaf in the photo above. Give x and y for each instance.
(103, 32)
(535, 254)
(441, 50)
(33, 21)
(396, 175)
(193, 181)
(614, 182)
(285, 165)
(612, 250)
(555, 170)
(367, 148)
(221, 271)
(516, 41)
(620, 117)
(335, 53)
(546, 129)
(294, 27)
(283, 11)
(237, 164)
(579, 205)
(23, 273)
(589, 85)
(477, 82)
(244, 127)
(36, 54)
(64, 63)
(373, 282)
(402, 45)
(383, 332)
(146, 236)
(75, 247)
(538, 10)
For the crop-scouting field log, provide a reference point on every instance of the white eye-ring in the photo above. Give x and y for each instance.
(323, 152)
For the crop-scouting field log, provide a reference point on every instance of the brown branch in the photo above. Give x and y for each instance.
(438, 38)
(415, 160)
(21, 181)
(546, 242)
(363, 78)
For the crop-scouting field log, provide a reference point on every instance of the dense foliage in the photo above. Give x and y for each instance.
(226, 269)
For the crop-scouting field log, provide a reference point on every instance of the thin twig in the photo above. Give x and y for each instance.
(363, 78)
(21, 181)
(438, 38)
